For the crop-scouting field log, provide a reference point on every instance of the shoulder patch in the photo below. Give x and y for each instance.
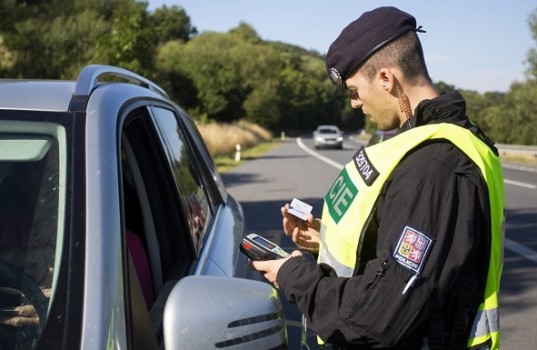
(412, 249)
(366, 170)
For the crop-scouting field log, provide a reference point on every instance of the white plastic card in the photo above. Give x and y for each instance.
(300, 209)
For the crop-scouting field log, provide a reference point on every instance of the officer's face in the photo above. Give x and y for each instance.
(374, 101)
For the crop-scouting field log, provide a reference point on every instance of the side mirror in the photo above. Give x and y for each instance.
(209, 312)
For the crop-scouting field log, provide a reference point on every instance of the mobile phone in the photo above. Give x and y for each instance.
(299, 209)
(256, 247)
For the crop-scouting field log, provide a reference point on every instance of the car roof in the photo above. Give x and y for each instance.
(58, 95)
(45, 95)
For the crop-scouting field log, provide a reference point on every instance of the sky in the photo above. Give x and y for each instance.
(478, 45)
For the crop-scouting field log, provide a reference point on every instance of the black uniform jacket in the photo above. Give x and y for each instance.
(435, 190)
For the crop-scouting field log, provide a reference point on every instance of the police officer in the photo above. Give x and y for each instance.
(410, 242)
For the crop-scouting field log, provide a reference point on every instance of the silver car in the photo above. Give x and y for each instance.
(327, 136)
(116, 230)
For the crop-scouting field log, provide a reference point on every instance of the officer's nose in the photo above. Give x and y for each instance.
(356, 102)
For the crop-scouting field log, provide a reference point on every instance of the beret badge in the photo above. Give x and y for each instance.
(335, 76)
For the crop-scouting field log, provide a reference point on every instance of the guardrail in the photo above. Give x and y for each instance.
(511, 152)
(518, 152)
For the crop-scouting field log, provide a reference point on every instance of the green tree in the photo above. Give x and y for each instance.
(129, 43)
(443, 87)
(171, 23)
(513, 118)
(10, 12)
(56, 48)
(53, 38)
(245, 33)
(7, 59)
(517, 123)
(179, 86)
(262, 105)
(477, 103)
(234, 75)
(532, 53)
(205, 60)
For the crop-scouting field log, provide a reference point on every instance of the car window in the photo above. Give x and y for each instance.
(218, 195)
(33, 163)
(157, 237)
(187, 175)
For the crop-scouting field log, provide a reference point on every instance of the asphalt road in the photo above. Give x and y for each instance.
(295, 169)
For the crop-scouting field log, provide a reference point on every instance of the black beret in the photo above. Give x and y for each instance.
(363, 37)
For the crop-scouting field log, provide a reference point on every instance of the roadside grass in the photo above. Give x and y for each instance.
(226, 163)
(222, 140)
(523, 159)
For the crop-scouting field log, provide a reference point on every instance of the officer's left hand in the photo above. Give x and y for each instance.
(270, 268)
(305, 234)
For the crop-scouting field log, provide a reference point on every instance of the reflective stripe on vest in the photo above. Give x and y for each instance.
(349, 204)
(486, 321)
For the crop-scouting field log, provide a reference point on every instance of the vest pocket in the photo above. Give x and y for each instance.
(381, 308)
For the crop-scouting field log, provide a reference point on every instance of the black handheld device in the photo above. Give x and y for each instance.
(256, 247)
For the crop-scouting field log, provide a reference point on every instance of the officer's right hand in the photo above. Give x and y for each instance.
(305, 234)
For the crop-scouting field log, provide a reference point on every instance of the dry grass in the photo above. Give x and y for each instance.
(526, 159)
(221, 139)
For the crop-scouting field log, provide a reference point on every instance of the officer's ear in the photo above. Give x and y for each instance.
(386, 79)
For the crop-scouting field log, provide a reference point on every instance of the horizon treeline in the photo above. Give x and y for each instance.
(221, 77)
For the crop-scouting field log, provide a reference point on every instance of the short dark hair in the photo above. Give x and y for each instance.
(405, 53)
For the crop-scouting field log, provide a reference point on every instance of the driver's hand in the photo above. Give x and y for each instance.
(21, 316)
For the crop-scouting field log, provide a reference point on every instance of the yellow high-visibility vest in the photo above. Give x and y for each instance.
(349, 203)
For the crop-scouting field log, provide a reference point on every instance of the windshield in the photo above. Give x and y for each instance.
(328, 131)
(32, 215)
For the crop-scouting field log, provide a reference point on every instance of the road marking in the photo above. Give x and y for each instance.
(317, 155)
(520, 184)
(520, 167)
(521, 250)
(508, 244)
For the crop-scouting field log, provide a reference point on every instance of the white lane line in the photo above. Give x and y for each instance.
(317, 155)
(521, 250)
(508, 244)
(519, 184)
(520, 167)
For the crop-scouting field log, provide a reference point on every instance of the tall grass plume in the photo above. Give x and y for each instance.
(222, 138)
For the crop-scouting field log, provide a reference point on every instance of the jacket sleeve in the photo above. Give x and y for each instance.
(433, 196)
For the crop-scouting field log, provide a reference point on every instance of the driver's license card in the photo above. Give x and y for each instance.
(300, 209)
